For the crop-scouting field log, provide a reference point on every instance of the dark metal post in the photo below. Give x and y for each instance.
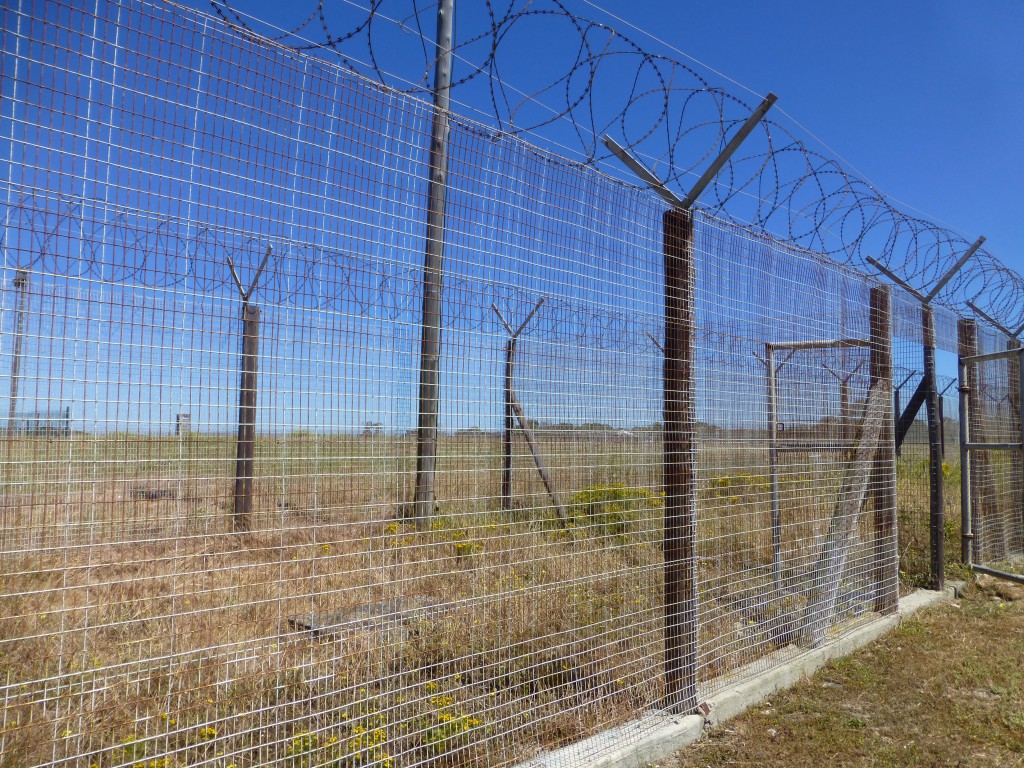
(433, 273)
(680, 531)
(246, 449)
(940, 402)
(967, 343)
(883, 479)
(1016, 525)
(510, 424)
(933, 407)
(21, 286)
(773, 468)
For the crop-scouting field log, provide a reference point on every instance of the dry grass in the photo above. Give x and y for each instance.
(945, 689)
(138, 629)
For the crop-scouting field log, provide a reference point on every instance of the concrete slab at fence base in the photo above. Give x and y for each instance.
(803, 663)
(633, 745)
(655, 735)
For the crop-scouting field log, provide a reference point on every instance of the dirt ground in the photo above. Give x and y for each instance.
(945, 689)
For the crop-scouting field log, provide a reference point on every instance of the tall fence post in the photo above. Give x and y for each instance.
(967, 346)
(21, 287)
(936, 517)
(433, 274)
(883, 480)
(1016, 526)
(680, 531)
(510, 424)
(246, 448)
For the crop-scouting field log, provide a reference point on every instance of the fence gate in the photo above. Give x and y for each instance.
(991, 466)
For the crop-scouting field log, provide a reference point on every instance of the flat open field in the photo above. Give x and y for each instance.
(137, 626)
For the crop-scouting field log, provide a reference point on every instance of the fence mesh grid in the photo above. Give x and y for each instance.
(194, 221)
(996, 503)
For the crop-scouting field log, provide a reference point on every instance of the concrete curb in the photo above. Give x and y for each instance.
(656, 735)
(803, 663)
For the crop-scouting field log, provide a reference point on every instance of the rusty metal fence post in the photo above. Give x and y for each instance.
(933, 409)
(680, 532)
(246, 449)
(883, 476)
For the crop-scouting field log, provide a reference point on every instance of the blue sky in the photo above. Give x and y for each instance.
(923, 98)
(260, 164)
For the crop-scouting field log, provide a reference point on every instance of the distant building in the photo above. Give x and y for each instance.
(42, 423)
(183, 424)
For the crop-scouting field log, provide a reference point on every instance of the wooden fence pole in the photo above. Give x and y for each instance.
(936, 517)
(246, 448)
(883, 480)
(1015, 520)
(510, 424)
(680, 532)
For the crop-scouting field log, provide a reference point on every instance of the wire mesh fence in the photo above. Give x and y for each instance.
(993, 399)
(211, 329)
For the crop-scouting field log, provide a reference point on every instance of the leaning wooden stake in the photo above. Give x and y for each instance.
(542, 469)
(828, 571)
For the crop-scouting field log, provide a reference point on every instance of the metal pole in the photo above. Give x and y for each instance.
(967, 344)
(506, 438)
(246, 448)
(679, 460)
(1017, 408)
(433, 273)
(883, 485)
(933, 409)
(773, 470)
(21, 286)
(940, 402)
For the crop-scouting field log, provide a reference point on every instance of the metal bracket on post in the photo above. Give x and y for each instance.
(927, 298)
(709, 174)
(999, 326)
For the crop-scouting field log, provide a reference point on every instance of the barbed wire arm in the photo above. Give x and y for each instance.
(988, 318)
(949, 275)
(247, 294)
(954, 269)
(734, 143)
(652, 181)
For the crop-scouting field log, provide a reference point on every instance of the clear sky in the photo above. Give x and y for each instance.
(923, 98)
(926, 99)
(185, 123)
